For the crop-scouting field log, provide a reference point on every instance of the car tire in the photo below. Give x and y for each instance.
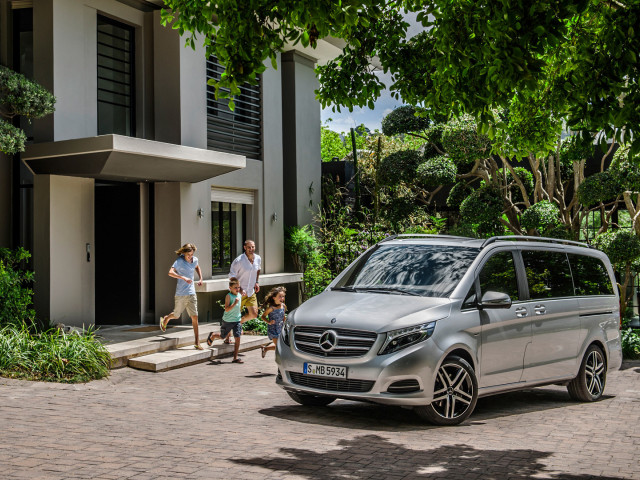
(310, 400)
(455, 394)
(589, 385)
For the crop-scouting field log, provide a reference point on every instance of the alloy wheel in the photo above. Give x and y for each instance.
(454, 391)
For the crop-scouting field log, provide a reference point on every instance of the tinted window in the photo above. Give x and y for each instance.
(428, 270)
(548, 274)
(590, 275)
(499, 275)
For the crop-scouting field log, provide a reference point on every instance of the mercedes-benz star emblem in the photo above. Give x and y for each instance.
(333, 320)
(328, 340)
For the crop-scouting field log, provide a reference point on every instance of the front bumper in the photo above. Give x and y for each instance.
(412, 366)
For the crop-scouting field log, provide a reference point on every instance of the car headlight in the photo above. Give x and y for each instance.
(286, 330)
(405, 337)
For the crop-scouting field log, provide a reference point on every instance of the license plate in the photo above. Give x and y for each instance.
(325, 370)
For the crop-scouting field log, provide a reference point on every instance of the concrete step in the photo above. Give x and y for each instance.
(185, 356)
(131, 342)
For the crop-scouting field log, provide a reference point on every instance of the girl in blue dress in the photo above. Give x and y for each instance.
(273, 313)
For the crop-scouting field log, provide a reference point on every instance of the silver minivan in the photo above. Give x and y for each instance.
(434, 322)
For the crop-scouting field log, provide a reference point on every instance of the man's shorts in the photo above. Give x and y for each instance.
(251, 301)
(190, 302)
(235, 327)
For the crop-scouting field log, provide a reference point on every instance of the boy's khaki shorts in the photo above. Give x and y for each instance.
(251, 301)
(190, 302)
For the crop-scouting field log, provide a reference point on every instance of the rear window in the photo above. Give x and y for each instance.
(590, 275)
(425, 270)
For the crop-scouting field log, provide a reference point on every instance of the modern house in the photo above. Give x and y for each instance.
(140, 158)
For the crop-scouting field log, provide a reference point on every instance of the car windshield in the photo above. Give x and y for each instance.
(425, 270)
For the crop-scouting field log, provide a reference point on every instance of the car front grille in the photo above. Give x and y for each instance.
(331, 384)
(349, 343)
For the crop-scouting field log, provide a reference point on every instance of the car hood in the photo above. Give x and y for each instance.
(377, 312)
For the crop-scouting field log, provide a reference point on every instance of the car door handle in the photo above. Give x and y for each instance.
(521, 312)
(540, 309)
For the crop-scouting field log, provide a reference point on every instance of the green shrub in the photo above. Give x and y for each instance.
(599, 187)
(458, 193)
(626, 172)
(483, 206)
(403, 120)
(19, 96)
(256, 325)
(399, 167)
(621, 246)
(462, 142)
(437, 171)
(630, 343)
(305, 249)
(541, 216)
(15, 294)
(52, 355)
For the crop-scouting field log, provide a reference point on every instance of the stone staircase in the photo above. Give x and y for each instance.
(148, 348)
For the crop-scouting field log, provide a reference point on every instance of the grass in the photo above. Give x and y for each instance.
(52, 355)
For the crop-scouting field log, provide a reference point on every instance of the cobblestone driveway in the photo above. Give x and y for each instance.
(223, 420)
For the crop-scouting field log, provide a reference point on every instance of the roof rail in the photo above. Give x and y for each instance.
(526, 238)
(422, 235)
(386, 239)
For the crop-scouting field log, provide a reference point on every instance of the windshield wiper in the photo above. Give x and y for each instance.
(345, 289)
(388, 290)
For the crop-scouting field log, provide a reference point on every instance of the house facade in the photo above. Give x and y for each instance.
(140, 158)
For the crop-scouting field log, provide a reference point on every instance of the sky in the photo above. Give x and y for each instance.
(372, 119)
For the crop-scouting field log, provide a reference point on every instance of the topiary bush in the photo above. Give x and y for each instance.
(404, 119)
(437, 171)
(458, 193)
(20, 96)
(399, 167)
(462, 142)
(627, 173)
(621, 246)
(599, 187)
(540, 216)
(483, 206)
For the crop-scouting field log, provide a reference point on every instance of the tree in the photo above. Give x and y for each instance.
(19, 96)
(575, 58)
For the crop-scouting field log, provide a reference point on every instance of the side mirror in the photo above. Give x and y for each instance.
(495, 300)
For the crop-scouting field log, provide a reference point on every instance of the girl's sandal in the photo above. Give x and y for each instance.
(198, 347)
(264, 351)
(210, 339)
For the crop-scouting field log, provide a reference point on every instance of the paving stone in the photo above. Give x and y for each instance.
(222, 420)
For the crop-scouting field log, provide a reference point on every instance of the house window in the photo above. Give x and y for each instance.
(116, 99)
(238, 131)
(231, 211)
(227, 233)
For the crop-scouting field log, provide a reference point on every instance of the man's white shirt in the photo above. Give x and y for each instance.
(246, 272)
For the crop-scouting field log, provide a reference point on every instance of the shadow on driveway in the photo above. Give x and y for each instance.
(372, 456)
(359, 415)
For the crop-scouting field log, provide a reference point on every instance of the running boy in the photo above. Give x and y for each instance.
(231, 319)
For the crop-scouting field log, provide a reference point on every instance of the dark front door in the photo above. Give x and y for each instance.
(117, 253)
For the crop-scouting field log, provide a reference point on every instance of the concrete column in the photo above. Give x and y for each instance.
(180, 89)
(301, 139)
(176, 223)
(272, 248)
(63, 227)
